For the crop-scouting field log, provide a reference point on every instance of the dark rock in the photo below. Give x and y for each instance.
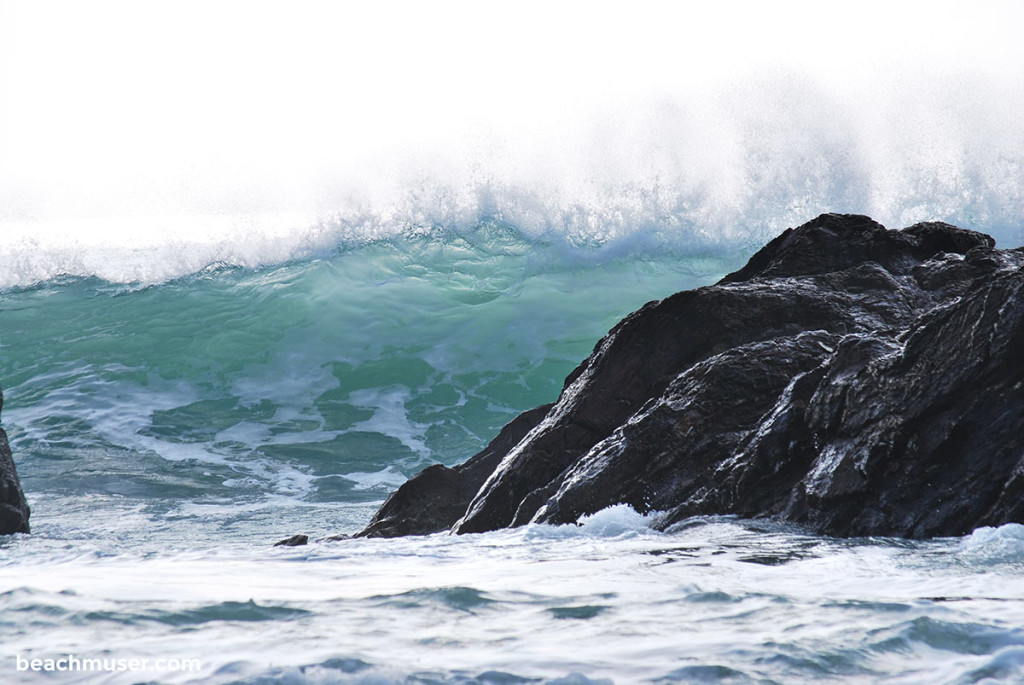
(293, 541)
(14, 510)
(921, 438)
(639, 463)
(853, 379)
(834, 242)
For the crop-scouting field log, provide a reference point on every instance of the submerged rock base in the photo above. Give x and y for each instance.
(855, 380)
(14, 509)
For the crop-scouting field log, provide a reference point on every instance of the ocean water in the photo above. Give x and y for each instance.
(167, 434)
(260, 265)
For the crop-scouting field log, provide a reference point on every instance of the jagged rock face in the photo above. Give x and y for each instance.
(850, 378)
(14, 509)
(639, 463)
(919, 438)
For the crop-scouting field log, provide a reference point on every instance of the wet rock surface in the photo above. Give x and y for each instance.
(849, 378)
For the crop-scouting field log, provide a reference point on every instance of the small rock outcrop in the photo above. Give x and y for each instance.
(14, 509)
(853, 379)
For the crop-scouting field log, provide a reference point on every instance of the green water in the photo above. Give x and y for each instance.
(329, 379)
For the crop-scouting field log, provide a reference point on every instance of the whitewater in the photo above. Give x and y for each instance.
(260, 265)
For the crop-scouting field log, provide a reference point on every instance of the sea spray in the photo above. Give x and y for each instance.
(677, 126)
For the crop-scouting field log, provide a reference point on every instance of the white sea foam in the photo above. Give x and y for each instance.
(388, 478)
(390, 416)
(673, 122)
(616, 521)
(716, 595)
(1003, 544)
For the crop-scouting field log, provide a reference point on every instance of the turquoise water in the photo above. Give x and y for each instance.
(323, 380)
